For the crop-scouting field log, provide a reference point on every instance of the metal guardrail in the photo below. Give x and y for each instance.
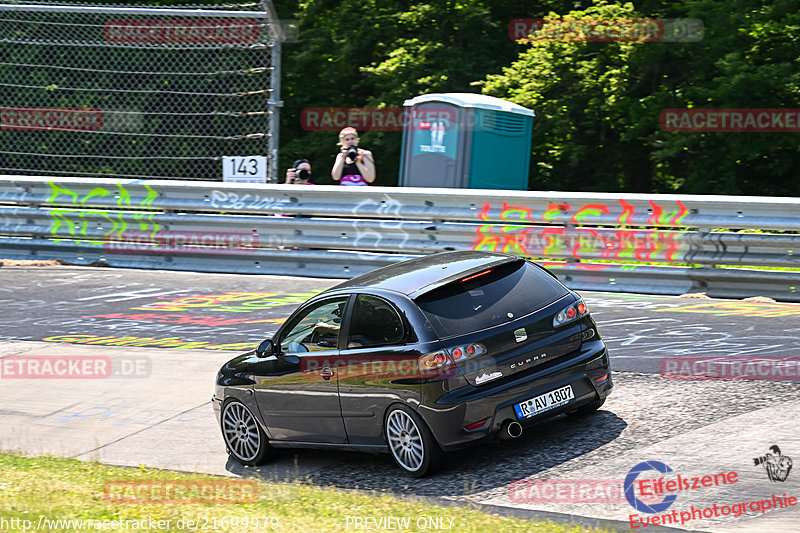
(595, 241)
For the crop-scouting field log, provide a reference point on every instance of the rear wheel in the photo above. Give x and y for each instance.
(245, 440)
(411, 443)
(588, 408)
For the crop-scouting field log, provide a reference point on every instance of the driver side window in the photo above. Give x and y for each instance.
(317, 328)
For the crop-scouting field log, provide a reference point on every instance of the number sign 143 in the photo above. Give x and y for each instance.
(245, 169)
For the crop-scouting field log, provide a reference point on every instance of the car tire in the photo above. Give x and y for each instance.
(587, 409)
(244, 438)
(411, 443)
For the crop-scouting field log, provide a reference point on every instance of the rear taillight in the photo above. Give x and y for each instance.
(432, 361)
(572, 312)
(467, 351)
(442, 358)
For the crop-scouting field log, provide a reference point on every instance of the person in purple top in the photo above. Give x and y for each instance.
(353, 165)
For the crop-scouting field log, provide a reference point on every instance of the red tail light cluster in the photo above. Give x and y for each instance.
(570, 313)
(467, 351)
(448, 356)
(432, 361)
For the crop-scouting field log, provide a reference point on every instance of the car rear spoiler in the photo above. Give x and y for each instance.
(463, 274)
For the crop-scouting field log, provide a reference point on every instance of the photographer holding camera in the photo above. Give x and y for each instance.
(299, 174)
(353, 165)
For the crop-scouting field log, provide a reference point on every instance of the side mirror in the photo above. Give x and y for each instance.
(265, 349)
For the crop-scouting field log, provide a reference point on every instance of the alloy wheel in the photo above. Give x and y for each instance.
(405, 440)
(241, 433)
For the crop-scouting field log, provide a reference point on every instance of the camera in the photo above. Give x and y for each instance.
(300, 174)
(763, 459)
(352, 153)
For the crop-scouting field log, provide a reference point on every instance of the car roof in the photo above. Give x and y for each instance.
(423, 274)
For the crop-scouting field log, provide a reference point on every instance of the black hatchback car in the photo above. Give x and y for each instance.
(416, 358)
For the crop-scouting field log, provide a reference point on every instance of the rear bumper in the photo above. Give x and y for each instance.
(448, 415)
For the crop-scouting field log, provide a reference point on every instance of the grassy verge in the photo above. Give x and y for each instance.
(52, 488)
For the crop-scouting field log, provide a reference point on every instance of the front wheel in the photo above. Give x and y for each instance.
(245, 440)
(411, 443)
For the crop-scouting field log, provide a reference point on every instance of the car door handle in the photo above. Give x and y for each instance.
(326, 373)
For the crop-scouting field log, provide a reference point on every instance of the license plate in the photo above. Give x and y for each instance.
(544, 402)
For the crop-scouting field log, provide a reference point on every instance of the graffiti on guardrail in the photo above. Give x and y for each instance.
(76, 221)
(622, 213)
(139, 233)
(579, 243)
(233, 200)
(387, 229)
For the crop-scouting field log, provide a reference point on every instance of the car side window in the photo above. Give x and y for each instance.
(317, 328)
(374, 322)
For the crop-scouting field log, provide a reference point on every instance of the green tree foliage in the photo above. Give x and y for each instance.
(598, 103)
(378, 53)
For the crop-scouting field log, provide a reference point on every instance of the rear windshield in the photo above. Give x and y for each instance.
(506, 293)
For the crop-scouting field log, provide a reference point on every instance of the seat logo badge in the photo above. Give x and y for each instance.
(520, 334)
(487, 377)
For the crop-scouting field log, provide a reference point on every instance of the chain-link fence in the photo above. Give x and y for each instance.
(137, 92)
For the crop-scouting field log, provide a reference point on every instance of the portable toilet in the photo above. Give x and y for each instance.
(465, 140)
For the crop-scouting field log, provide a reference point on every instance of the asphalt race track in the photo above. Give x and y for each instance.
(179, 327)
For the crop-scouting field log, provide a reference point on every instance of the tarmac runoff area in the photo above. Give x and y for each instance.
(163, 418)
(151, 406)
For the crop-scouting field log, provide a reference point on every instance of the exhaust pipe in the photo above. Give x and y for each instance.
(510, 430)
